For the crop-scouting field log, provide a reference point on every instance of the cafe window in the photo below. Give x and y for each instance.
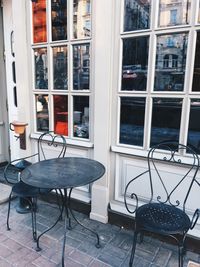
(159, 93)
(61, 66)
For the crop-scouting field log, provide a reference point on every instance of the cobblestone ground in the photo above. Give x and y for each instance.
(18, 249)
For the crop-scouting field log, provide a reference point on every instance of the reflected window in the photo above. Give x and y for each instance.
(132, 120)
(60, 78)
(194, 126)
(82, 19)
(42, 112)
(166, 117)
(59, 19)
(60, 105)
(41, 68)
(135, 63)
(81, 116)
(172, 14)
(196, 75)
(39, 21)
(81, 67)
(170, 62)
(136, 15)
(173, 17)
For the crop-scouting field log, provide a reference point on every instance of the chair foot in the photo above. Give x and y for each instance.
(98, 245)
(38, 249)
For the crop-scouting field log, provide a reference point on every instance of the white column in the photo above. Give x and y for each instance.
(102, 87)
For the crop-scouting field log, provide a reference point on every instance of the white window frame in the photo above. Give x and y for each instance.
(187, 94)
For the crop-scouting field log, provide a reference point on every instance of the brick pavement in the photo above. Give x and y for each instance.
(18, 249)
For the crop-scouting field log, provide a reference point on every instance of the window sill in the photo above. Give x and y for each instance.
(72, 142)
(141, 153)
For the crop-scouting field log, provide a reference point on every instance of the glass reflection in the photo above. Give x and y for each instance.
(81, 116)
(166, 117)
(170, 62)
(60, 68)
(82, 19)
(194, 126)
(59, 19)
(135, 63)
(199, 14)
(196, 76)
(136, 15)
(172, 13)
(42, 112)
(41, 68)
(60, 104)
(39, 21)
(132, 120)
(81, 66)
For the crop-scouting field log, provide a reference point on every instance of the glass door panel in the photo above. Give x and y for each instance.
(39, 21)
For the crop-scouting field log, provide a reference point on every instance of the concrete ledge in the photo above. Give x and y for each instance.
(193, 264)
(4, 192)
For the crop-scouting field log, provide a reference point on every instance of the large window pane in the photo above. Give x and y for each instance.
(60, 104)
(42, 112)
(60, 80)
(132, 120)
(82, 18)
(170, 62)
(196, 77)
(59, 19)
(166, 117)
(134, 63)
(136, 15)
(81, 66)
(194, 126)
(81, 116)
(173, 13)
(41, 68)
(39, 21)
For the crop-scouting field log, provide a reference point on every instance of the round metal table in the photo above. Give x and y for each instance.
(63, 173)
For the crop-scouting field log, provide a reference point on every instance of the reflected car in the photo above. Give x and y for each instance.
(130, 71)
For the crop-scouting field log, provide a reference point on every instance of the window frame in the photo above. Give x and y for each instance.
(70, 92)
(149, 94)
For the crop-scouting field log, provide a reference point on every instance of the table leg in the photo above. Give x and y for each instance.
(58, 219)
(73, 215)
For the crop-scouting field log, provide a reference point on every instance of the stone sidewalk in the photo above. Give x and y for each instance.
(18, 249)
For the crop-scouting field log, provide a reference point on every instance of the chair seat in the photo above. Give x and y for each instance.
(162, 218)
(23, 190)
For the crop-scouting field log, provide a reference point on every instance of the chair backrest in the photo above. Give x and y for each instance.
(47, 141)
(171, 180)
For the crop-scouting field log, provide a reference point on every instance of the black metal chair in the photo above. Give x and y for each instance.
(26, 192)
(161, 206)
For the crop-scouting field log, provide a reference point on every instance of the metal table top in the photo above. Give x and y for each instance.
(60, 173)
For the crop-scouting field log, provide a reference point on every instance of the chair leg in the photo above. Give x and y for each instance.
(33, 216)
(59, 205)
(180, 252)
(133, 249)
(8, 214)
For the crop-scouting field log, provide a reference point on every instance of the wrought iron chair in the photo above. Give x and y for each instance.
(27, 192)
(161, 206)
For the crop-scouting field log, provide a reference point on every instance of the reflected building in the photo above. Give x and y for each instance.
(174, 12)
(137, 15)
(82, 19)
(170, 62)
